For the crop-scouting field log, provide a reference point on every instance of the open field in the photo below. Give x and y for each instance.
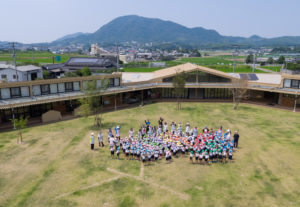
(273, 68)
(55, 167)
(205, 61)
(39, 57)
(238, 69)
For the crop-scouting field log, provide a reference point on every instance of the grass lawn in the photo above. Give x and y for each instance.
(55, 167)
(273, 68)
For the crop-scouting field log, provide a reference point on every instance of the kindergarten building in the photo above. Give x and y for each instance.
(35, 98)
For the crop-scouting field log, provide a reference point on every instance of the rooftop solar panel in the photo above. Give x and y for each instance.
(83, 60)
(253, 77)
(244, 76)
(250, 76)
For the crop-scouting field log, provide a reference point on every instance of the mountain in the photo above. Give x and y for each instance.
(70, 36)
(145, 30)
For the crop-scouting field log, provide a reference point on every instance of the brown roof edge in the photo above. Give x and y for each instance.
(188, 67)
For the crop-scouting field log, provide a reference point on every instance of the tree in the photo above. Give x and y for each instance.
(270, 60)
(71, 74)
(20, 124)
(46, 74)
(196, 53)
(91, 103)
(281, 60)
(85, 71)
(179, 84)
(249, 59)
(238, 90)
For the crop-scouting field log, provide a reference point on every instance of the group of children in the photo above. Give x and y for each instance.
(154, 143)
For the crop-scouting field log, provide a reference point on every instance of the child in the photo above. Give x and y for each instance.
(159, 130)
(187, 129)
(118, 152)
(112, 152)
(165, 127)
(230, 155)
(92, 141)
(118, 131)
(100, 139)
(195, 132)
(197, 155)
(131, 133)
(140, 134)
(110, 134)
(206, 157)
(224, 156)
(191, 155)
(201, 157)
(143, 158)
(173, 127)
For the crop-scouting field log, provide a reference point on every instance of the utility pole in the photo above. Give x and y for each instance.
(253, 69)
(32, 54)
(117, 58)
(14, 58)
(234, 57)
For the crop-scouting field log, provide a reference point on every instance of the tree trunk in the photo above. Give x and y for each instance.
(179, 104)
(21, 138)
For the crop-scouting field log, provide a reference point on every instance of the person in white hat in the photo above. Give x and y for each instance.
(92, 140)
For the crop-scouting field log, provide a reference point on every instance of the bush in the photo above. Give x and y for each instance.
(46, 74)
(293, 66)
(85, 71)
(71, 74)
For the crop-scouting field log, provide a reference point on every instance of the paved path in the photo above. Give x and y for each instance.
(266, 70)
(142, 170)
(183, 196)
(90, 186)
(120, 174)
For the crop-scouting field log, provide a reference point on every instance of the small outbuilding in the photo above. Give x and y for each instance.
(51, 116)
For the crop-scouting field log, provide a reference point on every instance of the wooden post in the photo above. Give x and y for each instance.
(142, 98)
(30, 91)
(115, 102)
(295, 105)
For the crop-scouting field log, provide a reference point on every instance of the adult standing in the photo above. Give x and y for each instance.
(160, 122)
(236, 137)
(92, 140)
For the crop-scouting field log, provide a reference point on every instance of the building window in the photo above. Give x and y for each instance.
(15, 76)
(287, 83)
(111, 82)
(117, 81)
(15, 92)
(3, 76)
(45, 89)
(295, 84)
(68, 87)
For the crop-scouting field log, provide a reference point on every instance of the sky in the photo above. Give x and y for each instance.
(32, 21)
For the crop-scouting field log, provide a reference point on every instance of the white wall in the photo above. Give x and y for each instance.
(10, 73)
(23, 76)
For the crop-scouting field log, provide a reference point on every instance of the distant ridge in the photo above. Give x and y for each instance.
(145, 30)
